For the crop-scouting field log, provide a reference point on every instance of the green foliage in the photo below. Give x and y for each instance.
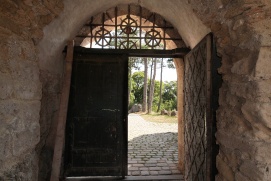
(169, 92)
(136, 95)
(169, 95)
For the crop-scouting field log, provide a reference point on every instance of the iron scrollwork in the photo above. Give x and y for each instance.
(103, 37)
(153, 38)
(128, 25)
(137, 29)
(128, 45)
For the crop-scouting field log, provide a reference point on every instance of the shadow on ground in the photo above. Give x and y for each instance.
(153, 154)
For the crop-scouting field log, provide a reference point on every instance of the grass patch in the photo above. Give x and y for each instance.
(158, 118)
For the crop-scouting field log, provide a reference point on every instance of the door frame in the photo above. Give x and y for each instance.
(178, 53)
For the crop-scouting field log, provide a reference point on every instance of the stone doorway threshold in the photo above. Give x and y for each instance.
(130, 178)
(160, 177)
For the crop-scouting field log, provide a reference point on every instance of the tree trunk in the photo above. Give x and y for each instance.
(145, 89)
(152, 87)
(129, 79)
(161, 81)
(148, 110)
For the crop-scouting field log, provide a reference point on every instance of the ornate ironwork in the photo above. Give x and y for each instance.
(153, 38)
(103, 37)
(128, 27)
(196, 114)
(127, 45)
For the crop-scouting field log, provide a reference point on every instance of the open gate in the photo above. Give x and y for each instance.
(96, 129)
(197, 112)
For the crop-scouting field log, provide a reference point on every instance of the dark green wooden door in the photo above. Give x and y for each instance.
(96, 130)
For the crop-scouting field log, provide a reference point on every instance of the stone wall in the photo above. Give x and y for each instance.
(242, 32)
(32, 40)
(21, 83)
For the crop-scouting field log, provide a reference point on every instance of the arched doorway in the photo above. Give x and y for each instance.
(124, 45)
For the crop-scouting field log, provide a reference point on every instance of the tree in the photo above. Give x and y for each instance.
(137, 86)
(161, 81)
(152, 87)
(169, 95)
(132, 64)
(145, 89)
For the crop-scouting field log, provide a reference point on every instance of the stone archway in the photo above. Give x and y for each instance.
(151, 20)
(239, 45)
(45, 42)
(36, 32)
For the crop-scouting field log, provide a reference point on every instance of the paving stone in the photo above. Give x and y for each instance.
(175, 171)
(144, 173)
(138, 165)
(155, 168)
(149, 154)
(132, 161)
(133, 168)
(161, 161)
(135, 173)
(173, 168)
(164, 172)
(162, 164)
(153, 172)
(141, 162)
(143, 168)
(150, 164)
(152, 161)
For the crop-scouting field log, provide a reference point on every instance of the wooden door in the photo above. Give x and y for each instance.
(197, 112)
(96, 130)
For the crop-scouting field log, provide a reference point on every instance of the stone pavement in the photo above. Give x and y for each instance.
(152, 147)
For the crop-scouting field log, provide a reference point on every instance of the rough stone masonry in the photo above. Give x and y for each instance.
(34, 32)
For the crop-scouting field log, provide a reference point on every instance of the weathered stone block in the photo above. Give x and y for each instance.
(249, 169)
(24, 70)
(241, 177)
(173, 113)
(27, 90)
(263, 68)
(6, 86)
(5, 144)
(243, 66)
(233, 142)
(262, 153)
(263, 90)
(20, 124)
(258, 114)
(224, 169)
(9, 24)
(25, 79)
(25, 170)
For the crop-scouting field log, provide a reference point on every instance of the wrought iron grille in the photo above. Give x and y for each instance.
(196, 113)
(128, 27)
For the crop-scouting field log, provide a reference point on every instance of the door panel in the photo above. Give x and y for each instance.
(197, 114)
(96, 132)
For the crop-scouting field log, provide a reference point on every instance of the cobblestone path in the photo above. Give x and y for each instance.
(152, 147)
